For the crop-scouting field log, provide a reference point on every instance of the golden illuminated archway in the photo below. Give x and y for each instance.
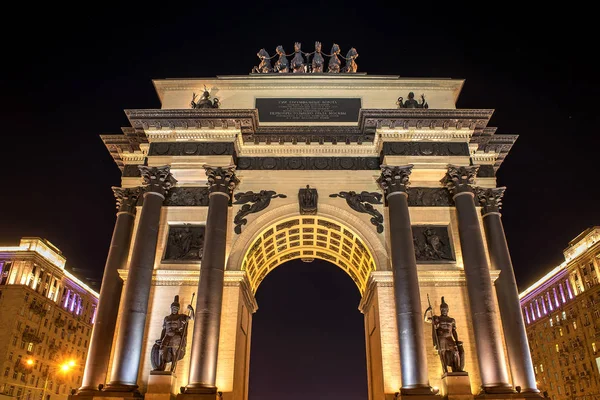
(308, 237)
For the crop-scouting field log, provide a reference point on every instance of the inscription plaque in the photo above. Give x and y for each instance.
(308, 109)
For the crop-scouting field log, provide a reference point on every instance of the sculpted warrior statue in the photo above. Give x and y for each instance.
(170, 348)
(445, 338)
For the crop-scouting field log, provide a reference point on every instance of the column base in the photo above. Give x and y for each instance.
(200, 396)
(418, 393)
(161, 386)
(500, 393)
(107, 395)
(456, 386)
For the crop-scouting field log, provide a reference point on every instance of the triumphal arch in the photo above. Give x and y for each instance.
(309, 159)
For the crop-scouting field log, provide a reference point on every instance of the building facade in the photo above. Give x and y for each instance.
(46, 315)
(218, 190)
(562, 314)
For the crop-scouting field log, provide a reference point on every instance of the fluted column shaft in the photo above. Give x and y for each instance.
(490, 354)
(96, 364)
(507, 293)
(128, 346)
(413, 356)
(207, 321)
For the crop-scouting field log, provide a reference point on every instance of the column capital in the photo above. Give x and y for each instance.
(394, 179)
(157, 179)
(460, 179)
(126, 198)
(221, 179)
(490, 199)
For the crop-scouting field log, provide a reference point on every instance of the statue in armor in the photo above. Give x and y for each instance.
(170, 348)
(445, 338)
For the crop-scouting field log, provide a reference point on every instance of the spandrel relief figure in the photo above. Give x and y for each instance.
(445, 338)
(170, 348)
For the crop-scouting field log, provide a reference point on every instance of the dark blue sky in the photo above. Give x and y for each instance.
(68, 74)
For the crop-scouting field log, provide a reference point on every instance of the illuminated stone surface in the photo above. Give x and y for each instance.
(330, 157)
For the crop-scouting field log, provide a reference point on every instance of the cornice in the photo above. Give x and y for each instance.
(244, 120)
(404, 118)
(427, 134)
(192, 134)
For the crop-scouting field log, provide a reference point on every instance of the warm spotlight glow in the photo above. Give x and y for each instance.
(71, 363)
(29, 362)
(65, 367)
(308, 237)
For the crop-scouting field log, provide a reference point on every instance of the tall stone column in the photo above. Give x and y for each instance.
(490, 354)
(507, 293)
(205, 340)
(413, 357)
(98, 356)
(128, 346)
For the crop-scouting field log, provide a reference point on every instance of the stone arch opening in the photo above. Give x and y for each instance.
(308, 237)
(288, 315)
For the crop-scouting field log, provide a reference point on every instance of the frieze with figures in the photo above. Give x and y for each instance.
(191, 149)
(426, 149)
(184, 196)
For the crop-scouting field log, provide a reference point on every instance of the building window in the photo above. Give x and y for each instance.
(560, 331)
(551, 322)
(6, 371)
(15, 374)
(575, 325)
(542, 368)
(564, 315)
(10, 356)
(14, 342)
(593, 347)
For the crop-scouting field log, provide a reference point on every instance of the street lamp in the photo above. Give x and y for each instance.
(63, 367)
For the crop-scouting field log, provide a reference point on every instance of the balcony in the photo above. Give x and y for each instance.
(31, 337)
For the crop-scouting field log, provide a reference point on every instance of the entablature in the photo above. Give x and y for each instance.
(242, 120)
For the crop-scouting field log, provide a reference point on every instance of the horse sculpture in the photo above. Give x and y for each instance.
(282, 64)
(298, 65)
(318, 60)
(334, 61)
(351, 65)
(265, 63)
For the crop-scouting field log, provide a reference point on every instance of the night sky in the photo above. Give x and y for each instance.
(68, 74)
